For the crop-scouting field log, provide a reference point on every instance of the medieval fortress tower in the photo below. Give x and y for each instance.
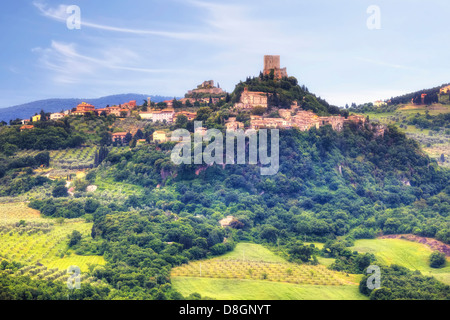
(273, 63)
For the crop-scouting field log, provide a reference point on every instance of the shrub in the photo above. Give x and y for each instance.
(437, 260)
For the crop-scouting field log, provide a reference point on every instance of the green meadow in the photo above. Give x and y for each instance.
(224, 289)
(405, 253)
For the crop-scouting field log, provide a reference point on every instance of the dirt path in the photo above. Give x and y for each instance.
(432, 243)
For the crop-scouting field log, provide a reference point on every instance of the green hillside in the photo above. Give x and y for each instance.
(414, 256)
(148, 223)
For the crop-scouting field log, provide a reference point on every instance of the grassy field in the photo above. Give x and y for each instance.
(262, 290)
(254, 272)
(41, 244)
(405, 253)
(14, 212)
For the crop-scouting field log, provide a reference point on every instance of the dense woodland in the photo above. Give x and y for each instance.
(330, 184)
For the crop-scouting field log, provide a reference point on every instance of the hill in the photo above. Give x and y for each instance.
(150, 216)
(422, 115)
(427, 124)
(25, 111)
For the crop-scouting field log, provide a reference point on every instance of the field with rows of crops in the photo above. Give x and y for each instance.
(40, 244)
(253, 265)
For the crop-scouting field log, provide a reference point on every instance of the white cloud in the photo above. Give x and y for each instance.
(60, 14)
(70, 66)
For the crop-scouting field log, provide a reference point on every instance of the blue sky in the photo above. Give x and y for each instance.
(167, 47)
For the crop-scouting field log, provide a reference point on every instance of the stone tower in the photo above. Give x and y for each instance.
(273, 63)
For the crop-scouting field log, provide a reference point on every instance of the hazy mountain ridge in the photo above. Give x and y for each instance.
(25, 111)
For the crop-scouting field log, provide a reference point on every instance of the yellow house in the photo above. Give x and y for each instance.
(445, 90)
(37, 118)
(159, 136)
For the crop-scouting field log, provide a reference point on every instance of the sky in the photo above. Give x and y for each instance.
(341, 50)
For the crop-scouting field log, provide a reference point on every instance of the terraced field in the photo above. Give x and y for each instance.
(251, 265)
(72, 159)
(41, 244)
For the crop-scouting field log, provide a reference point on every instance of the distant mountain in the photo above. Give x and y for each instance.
(25, 111)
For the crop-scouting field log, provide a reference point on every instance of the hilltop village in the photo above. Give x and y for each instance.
(208, 94)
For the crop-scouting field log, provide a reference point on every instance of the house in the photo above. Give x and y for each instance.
(357, 118)
(119, 136)
(337, 123)
(115, 110)
(125, 113)
(250, 99)
(56, 116)
(160, 137)
(26, 127)
(166, 115)
(285, 114)
(233, 125)
(379, 103)
(36, 118)
(25, 121)
(129, 105)
(84, 108)
(169, 103)
(445, 90)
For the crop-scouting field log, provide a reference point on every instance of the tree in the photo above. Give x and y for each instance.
(181, 121)
(203, 114)
(106, 138)
(300, 251)
(270, 234)
(60, 191)
(101, 155)
(259, 110)
(437, 260)
(43, 115)
(177, 104)
(75, 238)
(42, 158)
(139, 135)
(127, 138)
(9, 149)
